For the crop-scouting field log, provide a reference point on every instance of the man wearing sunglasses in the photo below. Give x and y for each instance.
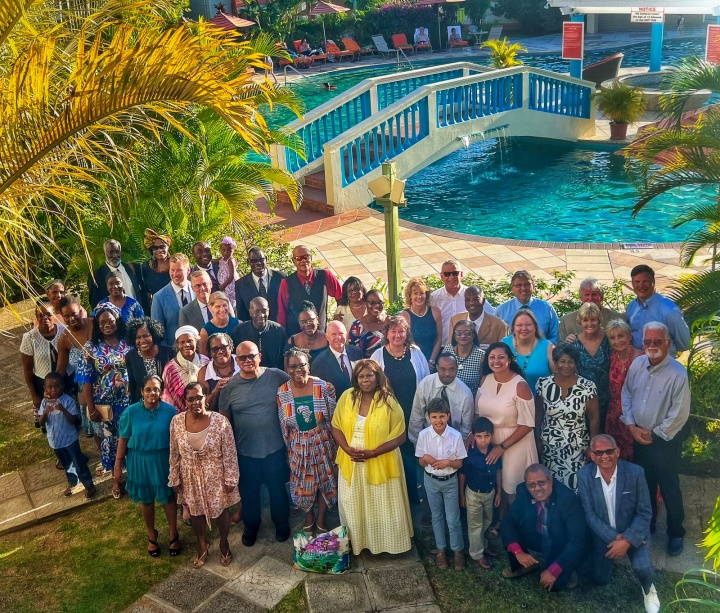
(616, 502)
(260, 282)
(450, 298)
(306, 283)
(249, 401)
(544, 528)
(656, 405)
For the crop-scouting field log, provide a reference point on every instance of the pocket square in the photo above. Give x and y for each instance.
(627, 493)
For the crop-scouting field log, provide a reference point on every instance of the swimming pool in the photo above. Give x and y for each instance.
(523, 189)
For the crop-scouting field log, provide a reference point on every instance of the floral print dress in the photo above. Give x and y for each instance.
(105, 368)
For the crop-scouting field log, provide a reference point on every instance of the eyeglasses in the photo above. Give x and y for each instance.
(451, 273)
(256, 260)
(302, 258)
(194, 399)
(536, 484)
(308, 322)
(520, 285)
(374, 303)
(298, 366)
(654, 342)
(463, 332)
(219, 348)
(602, 452)
(247, 358)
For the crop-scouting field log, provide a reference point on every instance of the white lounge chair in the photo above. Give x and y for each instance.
(382, 47)
(494, 33)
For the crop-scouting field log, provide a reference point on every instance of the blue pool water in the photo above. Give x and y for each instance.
(536, 190)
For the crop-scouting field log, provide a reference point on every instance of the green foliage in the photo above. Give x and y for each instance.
(476, 10)
(277, 17)
(621, 103)
(532, 15)
(502, 53)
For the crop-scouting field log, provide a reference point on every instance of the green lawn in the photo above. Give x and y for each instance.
(21, 443)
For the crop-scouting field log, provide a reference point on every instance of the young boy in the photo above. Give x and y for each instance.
(480, 489)
(441, 451)
(59, 414)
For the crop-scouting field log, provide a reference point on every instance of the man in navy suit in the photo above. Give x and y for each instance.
(616, 502)
(97, 289)
(335, 364)
(174, 296)
(261, 281)
(546, 518)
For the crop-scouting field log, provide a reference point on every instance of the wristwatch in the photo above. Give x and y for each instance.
(502, 446)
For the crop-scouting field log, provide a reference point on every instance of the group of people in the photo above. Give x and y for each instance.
(500, 408)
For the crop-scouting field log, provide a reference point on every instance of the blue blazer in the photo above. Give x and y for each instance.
(166, 309)
(632, 503)
(327, 368)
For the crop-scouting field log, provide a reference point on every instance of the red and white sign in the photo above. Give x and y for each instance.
(647, 14)
(573, 42)
(712, 45)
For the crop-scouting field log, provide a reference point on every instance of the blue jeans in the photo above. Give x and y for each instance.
(639, 559)
(73, 457)
(444, 503)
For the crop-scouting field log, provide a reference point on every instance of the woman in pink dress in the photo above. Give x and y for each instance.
(623, 354)
(505, 399)
(228, 269)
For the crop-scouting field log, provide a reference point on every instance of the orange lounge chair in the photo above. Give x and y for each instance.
(351, 45)
(335, 51)
(320, 57)
(400, 42)
(454, 44)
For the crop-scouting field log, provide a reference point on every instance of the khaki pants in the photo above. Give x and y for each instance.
(479, 518)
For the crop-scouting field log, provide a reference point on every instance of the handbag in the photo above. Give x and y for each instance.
(328, 553)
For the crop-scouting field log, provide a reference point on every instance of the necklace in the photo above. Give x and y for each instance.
(401, 356)
(412, 308)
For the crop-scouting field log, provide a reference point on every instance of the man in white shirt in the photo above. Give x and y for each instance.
(616, 502)
(443, 384)
(450, 299)
(337, 362)
(202, 254)
(168, 302)
(113, 263)
(260, 282)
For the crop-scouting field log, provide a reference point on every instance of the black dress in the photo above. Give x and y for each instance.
(138, 368)
(403, 381)
(152, 282)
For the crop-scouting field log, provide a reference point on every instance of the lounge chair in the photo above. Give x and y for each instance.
(336, 53)
(606, 68)
(318, 57)
(351, 45)
(494, 33)
(454, 44)
(400, 41)
(423, 45)
(382, 46)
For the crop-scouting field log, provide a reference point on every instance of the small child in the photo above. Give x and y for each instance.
(227, 269)
(59, 414)
(441, 452)
(480, 489)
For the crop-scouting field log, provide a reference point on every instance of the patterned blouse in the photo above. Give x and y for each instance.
(105, 368)
(469, 368)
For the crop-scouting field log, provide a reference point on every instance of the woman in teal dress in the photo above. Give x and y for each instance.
(532, 352)
(221, 321)
(144, 432)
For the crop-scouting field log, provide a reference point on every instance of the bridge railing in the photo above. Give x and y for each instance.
(437, 112)
(350, 108)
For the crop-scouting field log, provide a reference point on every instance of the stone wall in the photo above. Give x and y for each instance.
(699, 496)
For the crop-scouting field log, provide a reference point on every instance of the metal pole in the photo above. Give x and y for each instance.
(576, 66)
(656, 41)
(392, 234)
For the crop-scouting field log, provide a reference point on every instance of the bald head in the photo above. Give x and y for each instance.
(248, 359)
(337, 335)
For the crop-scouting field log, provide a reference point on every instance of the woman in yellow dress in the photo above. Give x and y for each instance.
(369, 427)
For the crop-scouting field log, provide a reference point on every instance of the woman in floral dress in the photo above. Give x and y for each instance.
(306, 410)
(103, 376)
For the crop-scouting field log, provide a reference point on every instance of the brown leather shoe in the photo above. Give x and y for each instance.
(459, 560)
(484, 563)
(441, 560)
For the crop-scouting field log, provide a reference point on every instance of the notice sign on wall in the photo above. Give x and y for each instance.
(573, 42)
(647, 14)
(712, 46)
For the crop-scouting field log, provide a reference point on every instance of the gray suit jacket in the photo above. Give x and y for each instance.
(190, 315)
(632, 504)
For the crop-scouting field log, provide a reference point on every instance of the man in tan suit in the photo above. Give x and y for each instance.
(490, 329)
(590, 291)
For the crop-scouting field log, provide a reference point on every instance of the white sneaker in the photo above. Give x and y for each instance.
(651, 600)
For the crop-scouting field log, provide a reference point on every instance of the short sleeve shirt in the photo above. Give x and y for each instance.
(35, 344)
(60, 432)
(446, 446)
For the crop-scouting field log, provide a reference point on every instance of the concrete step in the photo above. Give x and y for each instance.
(313, 199)
(317, 180)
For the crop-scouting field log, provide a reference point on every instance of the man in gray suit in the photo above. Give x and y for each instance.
(198, 313)
(616, 502)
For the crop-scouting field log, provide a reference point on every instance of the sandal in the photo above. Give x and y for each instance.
(199, 561)
(153, 553)
(226, 558)
(100, 471)
(309, 529)
(119, 493)
(175, 552)
(320, 529)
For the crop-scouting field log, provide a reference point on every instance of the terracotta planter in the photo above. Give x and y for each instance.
(618, 131)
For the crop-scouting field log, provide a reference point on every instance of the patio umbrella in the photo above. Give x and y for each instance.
(438, 3)
(228, 22)
(326, 8)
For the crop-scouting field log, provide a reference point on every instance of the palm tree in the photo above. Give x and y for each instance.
(502, 53)
(82, 91)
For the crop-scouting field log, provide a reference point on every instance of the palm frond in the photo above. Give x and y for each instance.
(692, 75)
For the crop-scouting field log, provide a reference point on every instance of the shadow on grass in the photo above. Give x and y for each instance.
(21, 443)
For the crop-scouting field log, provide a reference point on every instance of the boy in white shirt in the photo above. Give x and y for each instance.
(441, 451)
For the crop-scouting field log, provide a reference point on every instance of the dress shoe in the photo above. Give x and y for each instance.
(572, 582)
(675, 546)
(651, 600)
(459, 561)
(282, 534)
(440, 559)
(484, 563)
(249, 538)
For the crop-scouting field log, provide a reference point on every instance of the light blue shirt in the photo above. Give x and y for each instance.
(544, 312)
(661, 309)
(60, 432)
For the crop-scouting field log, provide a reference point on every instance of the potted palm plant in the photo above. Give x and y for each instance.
(622, 104)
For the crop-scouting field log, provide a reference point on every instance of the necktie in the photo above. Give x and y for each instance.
(444, 396)
(540, 517)
(183, 297)
(262, 290)
(343, 366)
(307, 286)
(206, 313)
